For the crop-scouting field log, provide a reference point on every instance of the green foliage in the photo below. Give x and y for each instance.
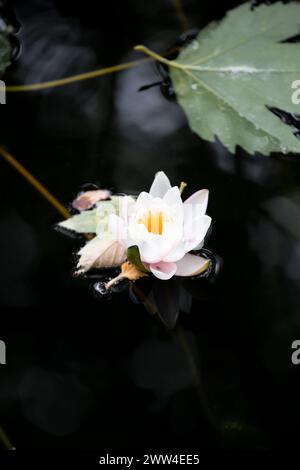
(227, 79)
(133, 255)
(91, 221)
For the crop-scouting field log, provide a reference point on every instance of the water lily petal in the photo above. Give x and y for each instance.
(199, 246)
(116, 227)
(176, 253)
(162, 270)
(191, 265)
(126, 207)
(160, 185)
(173, 197)
(143, 201)
(199, 229)
(199, 200)
(150, 250)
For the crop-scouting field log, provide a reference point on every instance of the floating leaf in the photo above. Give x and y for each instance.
(235, 71)
(88, 199)
(91, 221)
(101, 253)
(86, 222)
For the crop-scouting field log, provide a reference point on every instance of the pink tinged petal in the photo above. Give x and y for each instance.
(89, 198)
(198, 231)
(191, 265)
(160, 185)
(162, 270)
(199, 201)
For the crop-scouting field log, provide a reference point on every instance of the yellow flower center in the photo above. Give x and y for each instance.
(154, 221)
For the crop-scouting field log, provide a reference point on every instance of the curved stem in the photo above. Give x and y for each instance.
(74, 78)
(82, 76)
(114, 281)
(35, 183)
(180, 338)
(5, 440)
(180, 14)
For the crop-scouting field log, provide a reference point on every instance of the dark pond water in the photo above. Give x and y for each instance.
(101, 375)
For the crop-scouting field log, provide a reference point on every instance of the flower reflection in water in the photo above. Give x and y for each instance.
(167, 299)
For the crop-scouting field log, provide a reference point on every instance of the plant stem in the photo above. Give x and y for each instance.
(114, 281)
(181, 340)
(74, 78)
(180, 14)
(5, 440)
(182, 186)
(35, 183)
(80, 77)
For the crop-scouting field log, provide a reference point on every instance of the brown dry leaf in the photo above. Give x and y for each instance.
(100, 253)
(128, 271)
(131, 272)
(89, 198)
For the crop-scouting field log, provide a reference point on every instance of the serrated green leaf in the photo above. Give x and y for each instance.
(228, 77)
(85, 222)
(5, 50)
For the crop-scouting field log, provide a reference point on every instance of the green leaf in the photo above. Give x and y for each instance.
(5, 50)
(95, 220)
(85, 222)
(133, 255)
(228, 78)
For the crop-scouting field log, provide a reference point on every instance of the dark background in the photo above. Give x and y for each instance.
(85, 374)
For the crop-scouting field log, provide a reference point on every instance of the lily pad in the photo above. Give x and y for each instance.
(91, 221)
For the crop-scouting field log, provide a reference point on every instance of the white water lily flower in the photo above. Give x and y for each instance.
(164, 228)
